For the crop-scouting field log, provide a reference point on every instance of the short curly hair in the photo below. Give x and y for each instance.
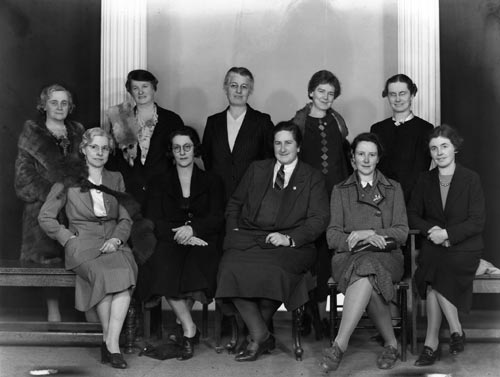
(323, 77)
(369, 137)
(45, 95)
(189, 132)
(448, 132)
(89, 135)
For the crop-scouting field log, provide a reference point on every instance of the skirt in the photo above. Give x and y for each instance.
(107, 274)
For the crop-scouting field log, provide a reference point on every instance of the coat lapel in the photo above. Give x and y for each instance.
(246, 131)
(261, 187)
(456, 187)
(292, 193)
(435, 193)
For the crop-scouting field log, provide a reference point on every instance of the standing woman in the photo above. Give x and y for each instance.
(404, 135)
(95, 240)
(44, 146)
(237, 136)
(141, 134)
(447, 206)
(325, 148)
(187, 207)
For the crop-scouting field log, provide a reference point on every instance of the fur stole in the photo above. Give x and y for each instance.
(124, 128)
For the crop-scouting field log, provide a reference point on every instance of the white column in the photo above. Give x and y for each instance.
(418, 54)
(123, 47)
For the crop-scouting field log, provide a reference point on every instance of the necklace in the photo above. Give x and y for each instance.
(444, 184)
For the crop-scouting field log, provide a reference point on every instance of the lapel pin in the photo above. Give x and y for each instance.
(294, 187)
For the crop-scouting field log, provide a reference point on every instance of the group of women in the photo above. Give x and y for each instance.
(251, 228)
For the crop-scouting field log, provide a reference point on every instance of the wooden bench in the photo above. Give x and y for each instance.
(482, 284)
(14, 273)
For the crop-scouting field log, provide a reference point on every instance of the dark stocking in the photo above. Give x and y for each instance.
(251, 314)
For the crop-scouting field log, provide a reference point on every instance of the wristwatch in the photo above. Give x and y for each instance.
(119, 242)
(290, 239)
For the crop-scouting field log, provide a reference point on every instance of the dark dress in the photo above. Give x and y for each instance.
(324, 148)
(380, 208)
(406, 150)
(250, 268)
(449, 270)
(253, 142)
(174, 270)
(138, 176)
(39, 164)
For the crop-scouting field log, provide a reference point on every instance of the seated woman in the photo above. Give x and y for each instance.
(447, 206)
(187, 207)
(366, 208)
(272, 220)
(95, 239)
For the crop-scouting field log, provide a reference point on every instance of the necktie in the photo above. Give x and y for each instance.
(280, 178)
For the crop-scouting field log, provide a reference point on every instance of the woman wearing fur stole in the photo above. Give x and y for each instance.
(44, 146)
(141, 133)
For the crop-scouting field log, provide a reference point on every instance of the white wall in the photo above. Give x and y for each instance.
(192, 43)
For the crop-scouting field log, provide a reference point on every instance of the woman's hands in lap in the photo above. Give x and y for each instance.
(110, 246)
(277, 239)
(183, 234)
(357, 236)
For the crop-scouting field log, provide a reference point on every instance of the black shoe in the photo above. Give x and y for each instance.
(117, 361)
(178, 333)
(254, 349)
(428, 357)
(457, 343)
(187, 348)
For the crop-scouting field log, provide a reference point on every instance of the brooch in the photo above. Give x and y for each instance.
(377, 198)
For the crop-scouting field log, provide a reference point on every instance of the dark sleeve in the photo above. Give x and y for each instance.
(422, 160)
(474, 223)
(267, 150)
(206, 145)
(416, 207)
(154, 209)
(235, 203)
(317, 216)
(212, 221)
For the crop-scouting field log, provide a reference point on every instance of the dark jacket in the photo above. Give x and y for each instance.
(303, 214)
(254, 142)
(206, 212)
(40, 164)
(463, 216)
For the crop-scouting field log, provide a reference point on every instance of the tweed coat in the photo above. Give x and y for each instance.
(38, 166)
(381, 209)
(450, 270)
(91, 232)
(254, 142)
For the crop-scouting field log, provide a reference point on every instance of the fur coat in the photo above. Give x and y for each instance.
(39, 164)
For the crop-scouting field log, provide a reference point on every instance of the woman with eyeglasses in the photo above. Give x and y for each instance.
(44, 146)
(95, 239)
(187, 207)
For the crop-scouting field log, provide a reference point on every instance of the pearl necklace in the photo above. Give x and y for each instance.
(443, 184)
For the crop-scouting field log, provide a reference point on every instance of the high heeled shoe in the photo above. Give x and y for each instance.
(187, 348)
(428, 357)
(178, 333)
(388, 357)
(332, 357)
(243, 346)
(254, 349)
(457, 343)
(115, 359)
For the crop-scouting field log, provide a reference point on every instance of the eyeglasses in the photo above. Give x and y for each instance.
(96, 148)
(186, 148)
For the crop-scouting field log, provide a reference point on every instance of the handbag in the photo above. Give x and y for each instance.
(391, 244)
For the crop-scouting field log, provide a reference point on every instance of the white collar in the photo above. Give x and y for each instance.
(408, 118)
